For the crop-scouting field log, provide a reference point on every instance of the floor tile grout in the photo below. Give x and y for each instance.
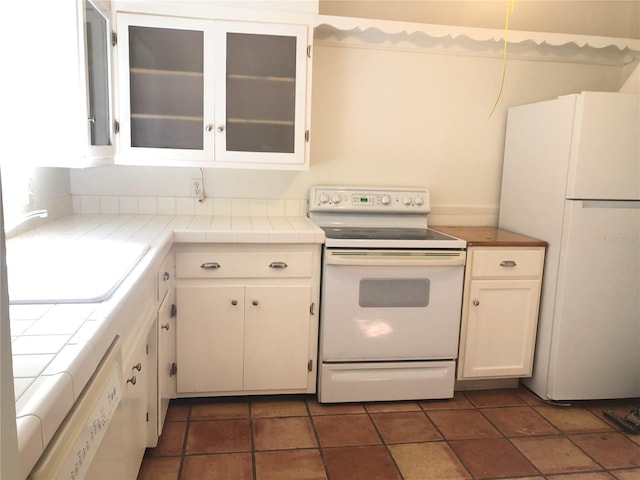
(477, 403)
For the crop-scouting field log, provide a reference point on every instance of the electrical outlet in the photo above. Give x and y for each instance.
(30, 192)
(196, 187)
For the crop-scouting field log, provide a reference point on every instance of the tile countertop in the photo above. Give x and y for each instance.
(491, 237)
(56, 347)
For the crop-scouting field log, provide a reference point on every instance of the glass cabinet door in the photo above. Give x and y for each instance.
(162, 66)
(260, 92)
(97, 37)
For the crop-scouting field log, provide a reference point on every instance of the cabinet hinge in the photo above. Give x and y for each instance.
(308, 51)
(116, 126)
(306, 136)
(174, 310)
(312, 308)
(310, 365)
(114, 39)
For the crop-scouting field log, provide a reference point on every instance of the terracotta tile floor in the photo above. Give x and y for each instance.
(490, 434)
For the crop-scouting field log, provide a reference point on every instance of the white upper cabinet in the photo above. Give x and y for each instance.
(197, 92)
(57, 102)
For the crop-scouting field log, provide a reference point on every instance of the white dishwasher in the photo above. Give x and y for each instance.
(76, 443)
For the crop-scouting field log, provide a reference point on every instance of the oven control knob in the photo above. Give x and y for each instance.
(336, 199)
(406, 200)
(385, 200)
(324, 198)
(419, 200)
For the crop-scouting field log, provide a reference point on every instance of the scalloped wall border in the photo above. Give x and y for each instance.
(387, 34)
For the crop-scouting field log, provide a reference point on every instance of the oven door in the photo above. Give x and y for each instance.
(387, 305)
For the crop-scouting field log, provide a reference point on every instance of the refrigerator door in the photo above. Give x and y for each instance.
(605, 150)
(595, 346)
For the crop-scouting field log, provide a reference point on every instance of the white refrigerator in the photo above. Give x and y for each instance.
(571, 176)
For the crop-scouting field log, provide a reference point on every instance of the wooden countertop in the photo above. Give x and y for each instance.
(491, 237)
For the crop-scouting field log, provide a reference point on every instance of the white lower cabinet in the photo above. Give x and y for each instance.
(255, 332)
(166, 338)
(500, 312)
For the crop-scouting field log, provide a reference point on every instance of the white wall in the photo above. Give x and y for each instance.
(632, 84)
(390, 117)
(608, 18)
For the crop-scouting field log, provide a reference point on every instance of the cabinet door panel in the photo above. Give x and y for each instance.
(166, 357)
(277, 337)
(501, 328)
(97, 57)
(210, 330)
(260, 93)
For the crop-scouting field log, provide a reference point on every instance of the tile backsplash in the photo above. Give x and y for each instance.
(107, 204)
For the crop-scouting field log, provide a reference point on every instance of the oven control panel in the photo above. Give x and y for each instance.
(364, 199)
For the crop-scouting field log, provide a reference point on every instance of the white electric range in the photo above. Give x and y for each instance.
(391, 296)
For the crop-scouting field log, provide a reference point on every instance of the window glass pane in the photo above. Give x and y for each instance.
(394, 292)
(97, 48)
(260, 96)
(167, 87)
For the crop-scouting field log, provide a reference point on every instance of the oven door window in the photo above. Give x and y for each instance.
(394, 292)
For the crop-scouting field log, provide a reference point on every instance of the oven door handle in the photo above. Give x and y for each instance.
(395, 259)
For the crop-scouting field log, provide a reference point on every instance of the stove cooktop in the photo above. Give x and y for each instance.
(364, 233)
(373, 237)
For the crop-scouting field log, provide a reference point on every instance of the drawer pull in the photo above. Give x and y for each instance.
(508, 263)
(278, 265)
(210, 265)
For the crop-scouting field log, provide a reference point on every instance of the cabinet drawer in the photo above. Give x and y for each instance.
(507, 262)
(243, 264)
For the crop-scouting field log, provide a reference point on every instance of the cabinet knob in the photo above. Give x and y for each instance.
(165, 327)
(137, 366)
(234, 302)
(476, 302)
(132, 380)
(255, 302)
(209, 127)
(91, 119)
(220, 129)
(166, 276)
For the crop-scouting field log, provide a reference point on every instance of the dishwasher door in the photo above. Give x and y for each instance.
(74, 446)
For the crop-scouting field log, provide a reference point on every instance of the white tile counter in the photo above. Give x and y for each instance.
(56, 347)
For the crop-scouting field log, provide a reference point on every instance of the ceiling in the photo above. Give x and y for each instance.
(607, 18)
